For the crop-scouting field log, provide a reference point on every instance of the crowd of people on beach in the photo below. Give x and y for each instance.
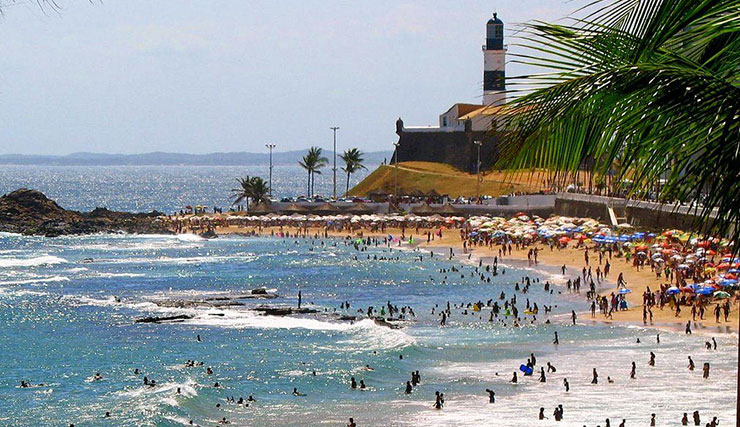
(515, 309)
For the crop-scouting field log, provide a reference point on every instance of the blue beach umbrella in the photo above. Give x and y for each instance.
(624, 291)
(672, 291)
(705, 291)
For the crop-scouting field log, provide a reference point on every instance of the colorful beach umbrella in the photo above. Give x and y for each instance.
(721, 294)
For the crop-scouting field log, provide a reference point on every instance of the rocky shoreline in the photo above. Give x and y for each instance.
(30, 212)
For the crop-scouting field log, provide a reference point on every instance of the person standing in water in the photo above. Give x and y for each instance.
(300, 297)
(566, 385)
(633, 371)
(491, 396)
(705, 369)
(573, 316)
(691, 364)
(595, 379)
(652, 359)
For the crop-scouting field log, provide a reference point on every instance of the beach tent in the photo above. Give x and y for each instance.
(326, 209)
(447, 210)
(423, 210)
(359, 209)
(294, 208)
(261, 209)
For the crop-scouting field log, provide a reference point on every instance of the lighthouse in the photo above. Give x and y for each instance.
(494, 63)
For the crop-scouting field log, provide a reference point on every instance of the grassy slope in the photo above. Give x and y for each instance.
(443, 178)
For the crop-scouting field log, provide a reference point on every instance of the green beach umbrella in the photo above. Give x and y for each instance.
(721, 294)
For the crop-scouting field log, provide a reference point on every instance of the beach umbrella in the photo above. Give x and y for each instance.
(624, 291)
(721, 294)
(728, 282)
(672, 290)
(705, 291)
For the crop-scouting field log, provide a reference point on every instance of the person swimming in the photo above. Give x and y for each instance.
(296, 392)
(514, 378)
(353, 383)
(408, 387)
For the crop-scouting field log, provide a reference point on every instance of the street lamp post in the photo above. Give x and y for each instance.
(335, 128)
(477, 173)
(395, 174)
(270, 147)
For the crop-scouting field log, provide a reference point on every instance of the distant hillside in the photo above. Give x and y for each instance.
(158, 158)
(444, 179)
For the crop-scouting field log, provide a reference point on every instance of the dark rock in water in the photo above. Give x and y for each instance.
(179, 317)
(210, 234)
(284, 311)
(259, 291)
(348, 317)
(382, 322)
(30, 212)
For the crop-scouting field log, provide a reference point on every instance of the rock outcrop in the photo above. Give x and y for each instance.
(30, 212)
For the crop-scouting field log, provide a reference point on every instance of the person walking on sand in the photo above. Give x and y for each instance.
(688, 327)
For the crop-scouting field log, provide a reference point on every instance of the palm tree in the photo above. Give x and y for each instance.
(312, 162)
(307, 164)
(254, 188)
(352, 159)
(260, 190)
(651, 85)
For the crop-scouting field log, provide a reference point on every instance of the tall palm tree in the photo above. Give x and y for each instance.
(250, 188)
(353, 162)
(318, 161)
(307, 163)
(653, 85)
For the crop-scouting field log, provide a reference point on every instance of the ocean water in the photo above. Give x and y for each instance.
(68, 306)
(164, 188)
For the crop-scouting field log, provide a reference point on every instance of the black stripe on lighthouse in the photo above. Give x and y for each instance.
(494, 80)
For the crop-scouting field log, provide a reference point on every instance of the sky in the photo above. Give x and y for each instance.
(134, 76)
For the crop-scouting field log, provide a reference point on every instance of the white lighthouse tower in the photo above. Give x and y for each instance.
(494, 63)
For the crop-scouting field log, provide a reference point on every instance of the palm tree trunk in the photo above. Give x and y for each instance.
(308, 185)
(347, 192)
